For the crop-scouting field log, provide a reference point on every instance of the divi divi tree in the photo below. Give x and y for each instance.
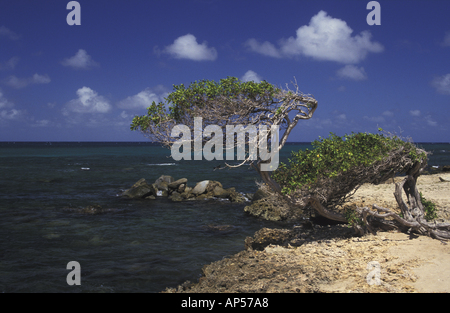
(229, 102)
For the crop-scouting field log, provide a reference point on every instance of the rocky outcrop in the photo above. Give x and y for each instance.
(178, 190)
(270, 207)
(141, 189)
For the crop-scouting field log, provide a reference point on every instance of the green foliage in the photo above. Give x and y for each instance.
(429, 207)
(335, 156)
(183, 100)
(353, 218)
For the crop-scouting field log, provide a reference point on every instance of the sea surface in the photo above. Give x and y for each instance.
(139, 245)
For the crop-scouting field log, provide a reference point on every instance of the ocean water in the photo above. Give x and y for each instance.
(140, 245)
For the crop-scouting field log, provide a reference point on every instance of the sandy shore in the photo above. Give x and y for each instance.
(331, 259)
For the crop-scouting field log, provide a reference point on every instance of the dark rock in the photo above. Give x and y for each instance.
(236, 196)
(140, 190)
(259, 194)
(167, 178)
(446, 168)
(221, 229)
(175, 196)
(219, 192)
(265, 209)
(212, 185)
(90, 209)
(181, 188)
(266, 236)
(176, 184)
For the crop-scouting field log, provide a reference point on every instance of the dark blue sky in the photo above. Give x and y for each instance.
(86, 82)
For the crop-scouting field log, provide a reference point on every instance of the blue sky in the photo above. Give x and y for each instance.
(86, 82)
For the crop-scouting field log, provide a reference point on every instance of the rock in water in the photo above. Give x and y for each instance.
(140, 189)
(200, 187)
(176, 184)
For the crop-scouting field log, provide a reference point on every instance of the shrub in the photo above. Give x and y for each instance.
(338, 165)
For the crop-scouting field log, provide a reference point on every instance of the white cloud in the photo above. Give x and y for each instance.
(414, 113)
(144, 99)
(124, 115)
(41, 123)
(81, 60)
(251, 76)
(388, 113)
(88, 102)
(376, 119)
(265, 48)
(442, 84)
(7, 111)
(446, 42)
(5, 103)
(8, 33)
(10, 64)
(10, 114)
(18, 83)
(352, 72)
(325, 38)
(430, 121)
(186, 47)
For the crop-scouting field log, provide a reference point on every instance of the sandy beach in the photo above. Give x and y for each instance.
(331, 259)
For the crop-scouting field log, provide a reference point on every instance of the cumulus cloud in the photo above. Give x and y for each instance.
(7, 112)
(414, 113)
(10, 64)
(186, 47)
(8, 33)
(19, 83)
(430, 121)
(251, 76)
(81, 60)
(144, 99)
(88, 102)
(442, 84)
(352, 72)
(265, 48)
(325, 38)
(5, 103)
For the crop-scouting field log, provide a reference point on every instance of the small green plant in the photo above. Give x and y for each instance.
(429, 208)
(352, 218)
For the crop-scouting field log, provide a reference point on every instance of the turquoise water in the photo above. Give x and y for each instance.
(140, 245)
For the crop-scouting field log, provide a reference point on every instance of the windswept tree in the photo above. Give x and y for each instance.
(323, 178)
(228, 103)
(327, 176)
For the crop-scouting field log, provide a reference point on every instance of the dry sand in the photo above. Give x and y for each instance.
(329, 259)
(432, 270)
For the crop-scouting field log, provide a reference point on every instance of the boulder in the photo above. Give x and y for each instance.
(176, 184)
(175, 196)
(219, 192)
(140, 189)
(200, 187)
(212, 185)
(167, 178)
(446, 168)
(259, 194)
(181, 188)
(236, 196)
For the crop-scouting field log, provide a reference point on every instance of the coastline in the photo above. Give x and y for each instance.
(314, 258)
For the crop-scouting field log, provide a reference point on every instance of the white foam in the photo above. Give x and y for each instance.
(162, 164)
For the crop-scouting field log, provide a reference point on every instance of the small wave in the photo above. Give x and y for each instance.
(162, 164)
